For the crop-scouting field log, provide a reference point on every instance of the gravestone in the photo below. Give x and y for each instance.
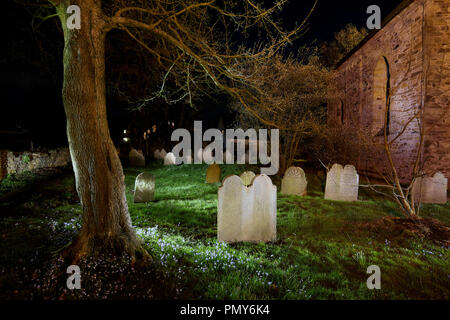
(156, 154)
(247, 213)
(247, 177)
(259, 222)
(230, 209)
(169, 159)
(294, 182)
(342, 183)
(430, 189)
(213, 173)
(136, 159)
(144, 188)
(162, 154)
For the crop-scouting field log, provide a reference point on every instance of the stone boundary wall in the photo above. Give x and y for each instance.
(17, 162)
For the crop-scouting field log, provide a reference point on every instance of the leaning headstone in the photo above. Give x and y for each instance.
(342, 183)
(169, 159)
(144, 188)
(247, 213)
(294, 182)
(213, 173)
(136, 159)
(247, 177)
(430, 189)
(162, 154)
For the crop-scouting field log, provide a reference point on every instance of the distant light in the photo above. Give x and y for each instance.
(125, 131)
(126, 139)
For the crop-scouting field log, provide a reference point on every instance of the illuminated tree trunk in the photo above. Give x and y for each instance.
(98, 171)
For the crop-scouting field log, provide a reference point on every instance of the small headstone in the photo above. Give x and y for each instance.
(162, 154)
(247, 177)
(169, 159)
(247, 213)
(294, 182)
(430, 189)
(213, 173)
(136, 159)
(342, 183)
(156, 154)
(144, 188)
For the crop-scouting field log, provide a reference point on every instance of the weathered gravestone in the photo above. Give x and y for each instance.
(162, 154)
(136, 159)
(294, 182)
(213, 173)
(430, 189)
(144, 188)
(156, 154)
(247, 213)
(247, 177)
(342, 183)
(169, 159)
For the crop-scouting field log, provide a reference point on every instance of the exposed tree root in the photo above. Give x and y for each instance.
(96, 245)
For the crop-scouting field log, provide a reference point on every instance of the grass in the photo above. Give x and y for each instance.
(322, 251)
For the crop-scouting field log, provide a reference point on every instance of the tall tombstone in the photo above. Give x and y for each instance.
(294, 182)
(247, 213)
(144, 188)
(169, 159)
(342, 183)
(247, 177)
(430, 189)
(259, 222)
(136, 159)
(213, 173)
(230, 207)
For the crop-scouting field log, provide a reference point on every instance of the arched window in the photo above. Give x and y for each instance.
(381, 87)
(338, 107)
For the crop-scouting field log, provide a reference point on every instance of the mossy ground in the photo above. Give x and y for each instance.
(322, 251)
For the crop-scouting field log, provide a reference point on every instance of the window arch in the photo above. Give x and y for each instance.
(381, 91)
(340, 112)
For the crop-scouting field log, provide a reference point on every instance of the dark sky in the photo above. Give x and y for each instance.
(331, 16)
(31, 101)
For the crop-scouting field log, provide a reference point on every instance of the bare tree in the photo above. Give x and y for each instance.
(296, 92)
(344, 41)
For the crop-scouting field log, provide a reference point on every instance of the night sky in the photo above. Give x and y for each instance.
(31, 77)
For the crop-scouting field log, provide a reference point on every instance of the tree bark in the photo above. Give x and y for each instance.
(98, 172)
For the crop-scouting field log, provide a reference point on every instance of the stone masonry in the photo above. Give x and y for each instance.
(410, 58)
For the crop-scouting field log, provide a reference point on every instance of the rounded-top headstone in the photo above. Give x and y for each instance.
(247, 177)
(170, 159)
(294, 182)
(213, 173)
(144, 188)
(136, 159)
(162, 154)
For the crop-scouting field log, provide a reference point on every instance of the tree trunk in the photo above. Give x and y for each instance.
(98, 172)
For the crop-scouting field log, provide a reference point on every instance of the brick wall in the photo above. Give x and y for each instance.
(416, 40)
